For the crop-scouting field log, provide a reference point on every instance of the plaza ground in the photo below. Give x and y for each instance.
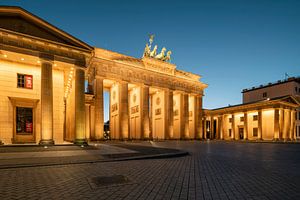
(211, 170)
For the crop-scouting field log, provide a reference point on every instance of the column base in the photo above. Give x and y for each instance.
(81, 142)
(46, 142)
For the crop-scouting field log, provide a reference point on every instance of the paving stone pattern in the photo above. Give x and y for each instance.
(213, 170)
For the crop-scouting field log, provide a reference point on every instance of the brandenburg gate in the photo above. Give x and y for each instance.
(149, 97)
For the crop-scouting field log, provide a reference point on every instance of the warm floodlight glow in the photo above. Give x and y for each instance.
(55, 65)
(38, 61)
(22, 59)
(5, 56)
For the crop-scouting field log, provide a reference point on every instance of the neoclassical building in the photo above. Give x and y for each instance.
(43, 71)
(268, 112)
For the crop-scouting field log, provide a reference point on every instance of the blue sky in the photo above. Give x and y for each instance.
(232, 44)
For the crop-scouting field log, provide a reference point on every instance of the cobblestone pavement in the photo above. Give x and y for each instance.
(213, 170)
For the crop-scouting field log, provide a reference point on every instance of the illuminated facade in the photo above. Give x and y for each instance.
(43, 71)
(268, 112)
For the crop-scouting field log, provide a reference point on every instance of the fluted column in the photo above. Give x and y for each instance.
(186, 115)
(222, 127)
(151, 117)
(211, 127)
(99, 112)
(292, 126)
(169, 122)
(287, 122)
(259, 125)
(124, 116)
(79, 108)
(198, 113)
(276, 124)
(204, 127)
(87, 121)
(46, 102)
(219, 127)
(145, 113)
(281, 123)
(233, 126)
(245, 126)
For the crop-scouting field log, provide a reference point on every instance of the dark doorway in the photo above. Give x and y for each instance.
(241, 133)
(214, 129)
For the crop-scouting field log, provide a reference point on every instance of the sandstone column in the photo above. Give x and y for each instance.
(219, 127)
(99, 113)
(204, 127)
(292, 126)
(233, 126)
(281, 124)
(124, 116)
(222, 127)
(186, 115)
(212, 129)
(169, 114)
(259, 123)
(145, 112)
(151, 117)
(87, 121)
(287, 122)
(245, 125)
(276, 124)
(198, 113)
(46, 102)
(79, 108)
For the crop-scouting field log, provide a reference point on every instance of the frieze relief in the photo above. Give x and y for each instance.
(134, 109)
(114, 107)
(137, 75)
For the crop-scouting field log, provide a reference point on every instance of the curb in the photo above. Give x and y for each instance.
(145, 157)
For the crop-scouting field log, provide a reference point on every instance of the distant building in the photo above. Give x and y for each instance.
(268, 112)
(290, 86)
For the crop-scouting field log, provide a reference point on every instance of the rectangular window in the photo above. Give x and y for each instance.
(25, 81)
(24, 121)
(296, 89)
(255, 117)
(265, 94)
(298, 115)
(230, 120)
(229, 132)
(241, 119)
(298, 131)
(255, 132)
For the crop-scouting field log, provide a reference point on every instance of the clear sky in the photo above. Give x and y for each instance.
(232, 44)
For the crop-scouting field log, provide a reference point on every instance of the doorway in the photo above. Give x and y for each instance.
(24, 125)
(241, 133)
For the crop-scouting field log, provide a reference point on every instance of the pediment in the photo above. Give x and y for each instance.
(21, 21)
(290, 99)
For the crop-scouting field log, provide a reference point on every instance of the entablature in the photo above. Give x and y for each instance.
(124, 72)
(30, 45)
